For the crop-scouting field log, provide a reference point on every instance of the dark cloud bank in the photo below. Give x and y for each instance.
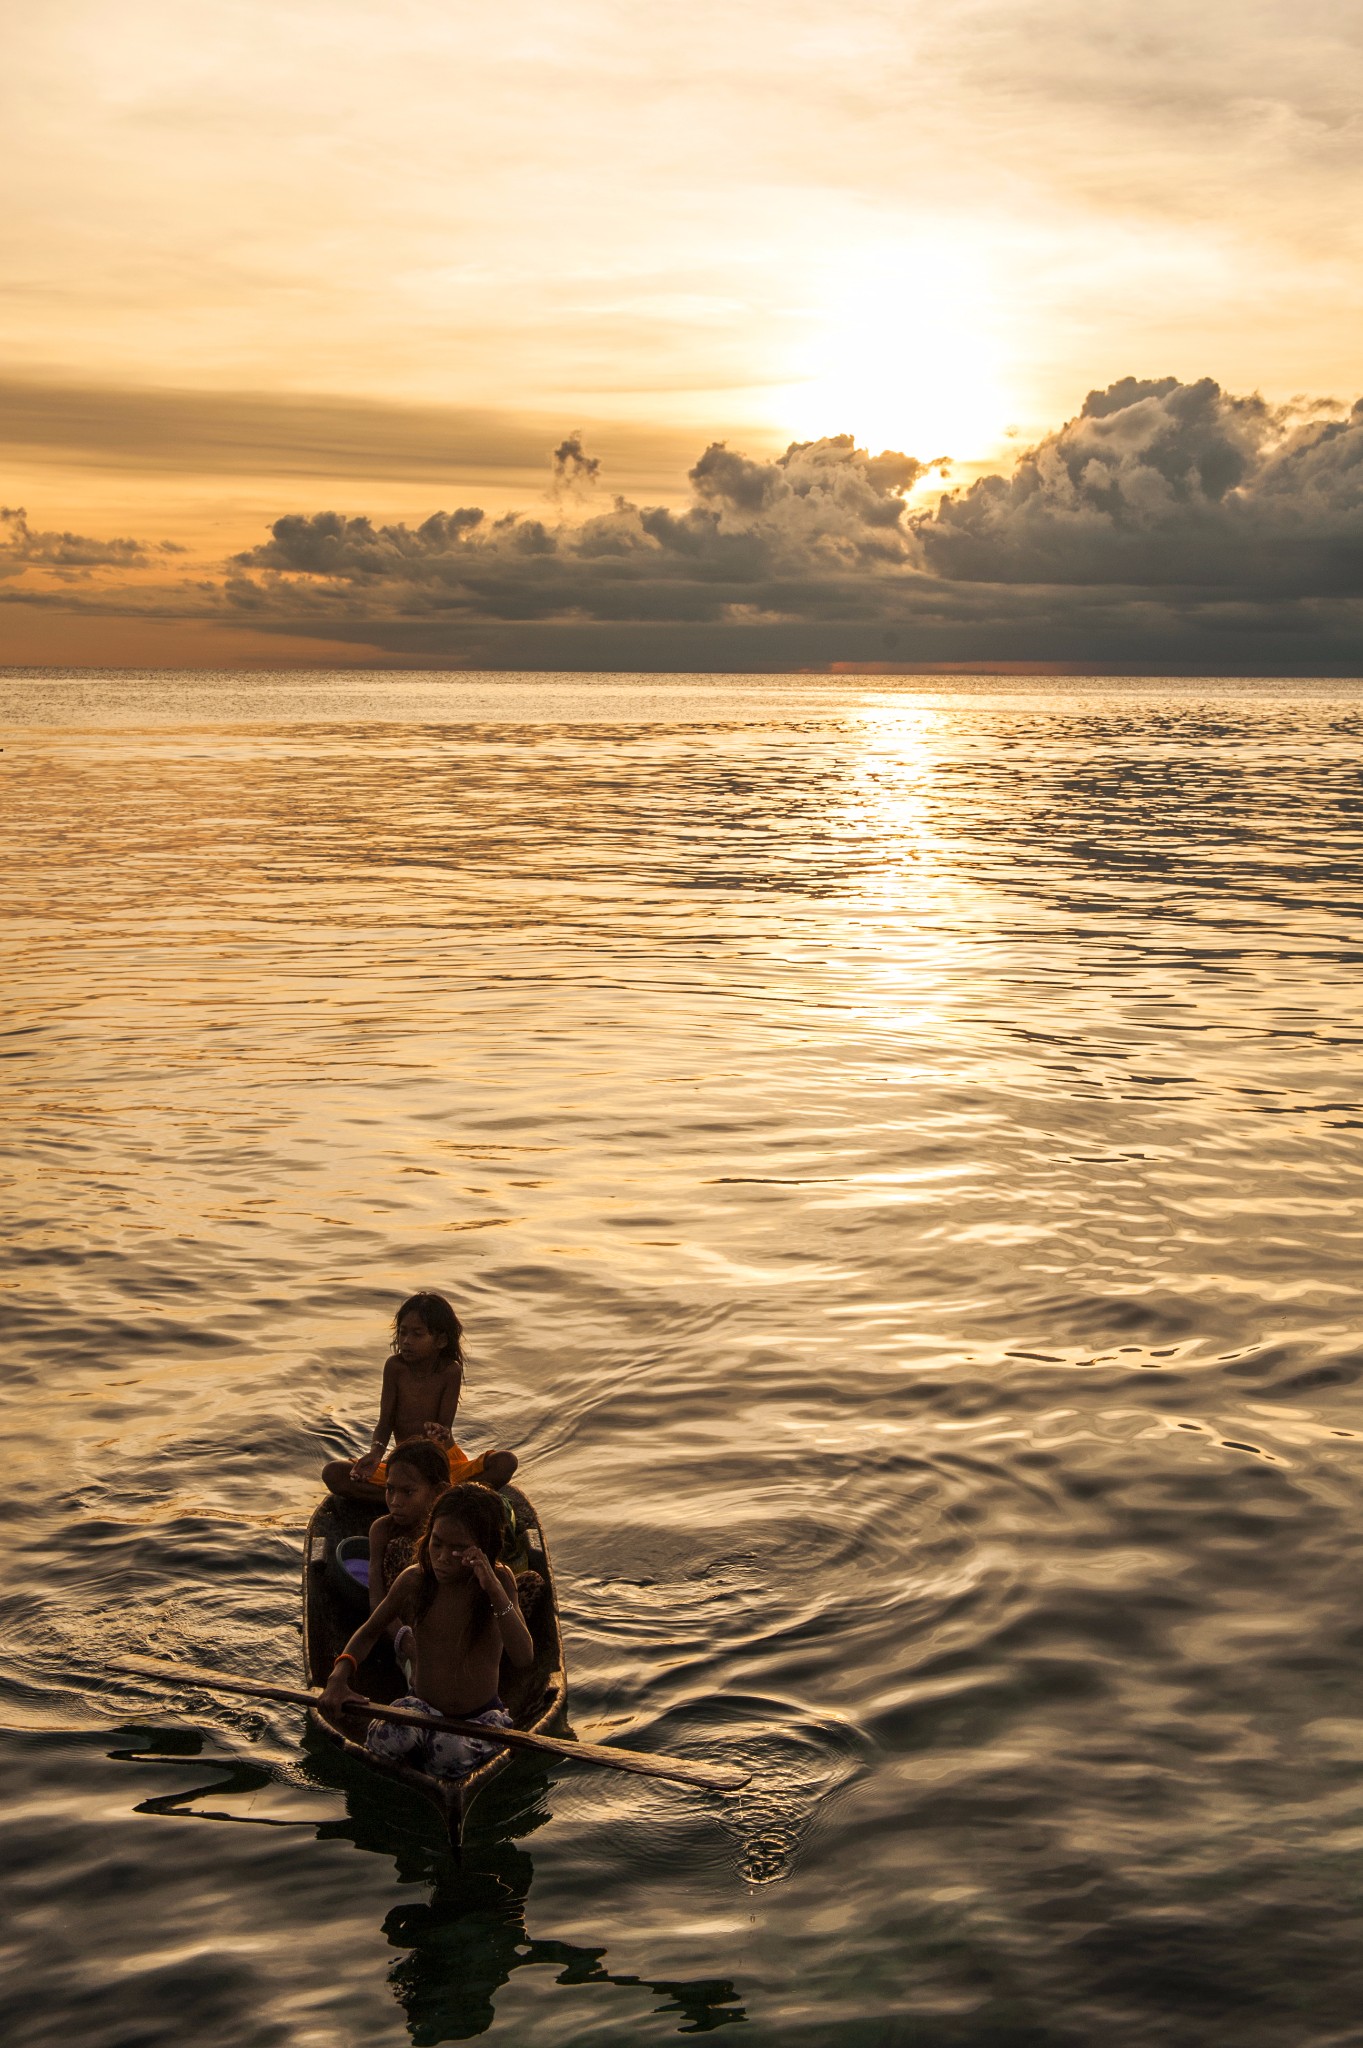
(65, 554)
(1168, 527)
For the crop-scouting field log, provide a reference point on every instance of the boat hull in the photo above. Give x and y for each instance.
(535, 1698)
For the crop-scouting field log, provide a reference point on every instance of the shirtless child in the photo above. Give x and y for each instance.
(418, 1473)
(422, 1379)
(460, 1604)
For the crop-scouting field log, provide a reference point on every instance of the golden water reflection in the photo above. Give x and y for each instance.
(898, 1162)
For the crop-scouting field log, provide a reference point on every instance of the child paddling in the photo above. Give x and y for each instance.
(459, 1602)
(422, 1380)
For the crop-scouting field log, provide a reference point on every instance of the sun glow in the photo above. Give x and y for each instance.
(904, 353)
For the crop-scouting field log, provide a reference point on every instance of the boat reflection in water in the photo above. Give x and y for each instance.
(461, 1944)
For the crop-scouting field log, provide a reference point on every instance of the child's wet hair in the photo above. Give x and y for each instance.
(478, 1508)
(482, 1514)
(440, 1319)
(426, 1459)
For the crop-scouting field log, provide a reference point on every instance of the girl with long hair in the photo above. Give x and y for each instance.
(459, 1602)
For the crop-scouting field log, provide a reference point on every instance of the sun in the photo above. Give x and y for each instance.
(903, 350)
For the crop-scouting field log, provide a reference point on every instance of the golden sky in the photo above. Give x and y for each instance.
(287, 258)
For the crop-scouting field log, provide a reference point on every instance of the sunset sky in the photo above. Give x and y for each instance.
(270, 263)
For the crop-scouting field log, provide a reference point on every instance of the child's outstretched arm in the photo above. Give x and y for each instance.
(364, 1468)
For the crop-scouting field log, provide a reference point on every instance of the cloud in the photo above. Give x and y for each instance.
(68, 554)
(574, 469)
(809, 531)
(1157, 490)
(1167, 527)
(1166, 485)
(160, 430)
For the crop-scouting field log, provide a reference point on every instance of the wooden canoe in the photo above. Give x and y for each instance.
(536, 1699)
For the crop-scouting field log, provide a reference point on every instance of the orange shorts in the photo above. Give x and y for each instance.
(461, 1467)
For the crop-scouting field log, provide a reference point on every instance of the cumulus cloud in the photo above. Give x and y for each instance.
(1155, 485)
(803, 532)
(1162, 484)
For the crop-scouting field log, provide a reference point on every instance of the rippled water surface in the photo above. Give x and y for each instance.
(898, 1158)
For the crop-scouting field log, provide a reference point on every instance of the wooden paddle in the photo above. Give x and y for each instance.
(710, 1777)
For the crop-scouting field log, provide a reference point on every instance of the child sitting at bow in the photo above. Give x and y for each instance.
(422, 1379)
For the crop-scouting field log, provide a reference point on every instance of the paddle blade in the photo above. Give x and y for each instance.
(211, 1681)
(640, 1762)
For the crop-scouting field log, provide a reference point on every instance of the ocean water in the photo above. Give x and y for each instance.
(896, 1150)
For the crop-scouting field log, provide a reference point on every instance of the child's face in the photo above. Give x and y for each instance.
(450, 1538)
(408, 1495)
(416, 1344)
